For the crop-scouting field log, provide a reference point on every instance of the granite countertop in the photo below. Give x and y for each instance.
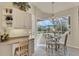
(13, 40)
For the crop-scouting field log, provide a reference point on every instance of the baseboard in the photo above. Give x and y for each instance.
(75, 47)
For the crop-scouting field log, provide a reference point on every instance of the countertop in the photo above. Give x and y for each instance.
(13, 40)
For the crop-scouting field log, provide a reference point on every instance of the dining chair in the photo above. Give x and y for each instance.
(49, 42)
(56, 42)
(62, 44)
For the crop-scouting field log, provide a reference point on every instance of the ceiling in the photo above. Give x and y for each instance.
(48, 7)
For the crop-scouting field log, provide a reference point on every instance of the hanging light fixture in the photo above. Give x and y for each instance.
(52, 13)
(52, 7)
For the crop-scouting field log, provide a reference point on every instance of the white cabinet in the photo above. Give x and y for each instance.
(21, 19)
(0, 20)
(18, 18)
(5, 50)
(28, 21)
(31, 46)
(17, 47)
(21, 48)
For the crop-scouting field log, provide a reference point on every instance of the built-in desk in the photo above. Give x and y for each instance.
(8, 47)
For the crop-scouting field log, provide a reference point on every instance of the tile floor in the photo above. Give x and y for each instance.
(40, 49)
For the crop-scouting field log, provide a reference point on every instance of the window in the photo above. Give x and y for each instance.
(61, 25)
(45, 25)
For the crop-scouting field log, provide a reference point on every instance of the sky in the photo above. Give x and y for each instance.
(45, 23)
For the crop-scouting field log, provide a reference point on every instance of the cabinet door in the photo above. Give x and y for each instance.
(28, 21)
(20, 48)
(18, 18)
(14, 47)
(31, 47)
(1, 22)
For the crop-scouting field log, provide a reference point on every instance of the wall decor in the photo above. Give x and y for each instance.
(22, 5)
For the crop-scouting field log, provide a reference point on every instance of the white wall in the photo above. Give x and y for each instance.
(40, 15)
(73, 40)
(5, 50)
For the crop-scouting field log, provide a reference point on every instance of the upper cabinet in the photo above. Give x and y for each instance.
(1, 30)
(21, 19)
(18, 18)
(15, 18)
(28, 21)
